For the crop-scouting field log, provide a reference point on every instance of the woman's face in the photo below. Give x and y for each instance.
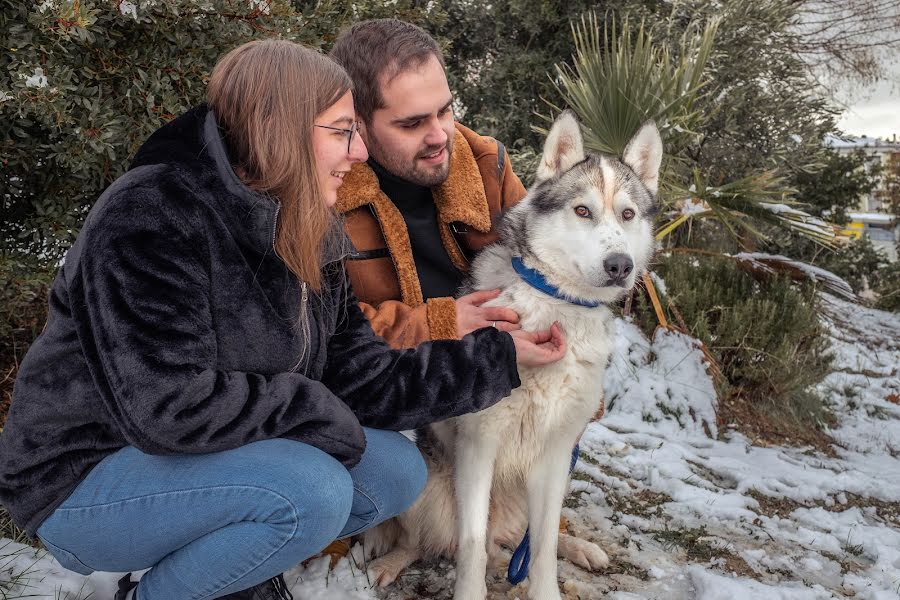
(330, 142)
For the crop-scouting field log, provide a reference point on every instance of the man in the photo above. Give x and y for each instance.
(427, 199)
(429, 195)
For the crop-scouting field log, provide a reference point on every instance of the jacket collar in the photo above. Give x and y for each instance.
(256, 213)
(461, 198)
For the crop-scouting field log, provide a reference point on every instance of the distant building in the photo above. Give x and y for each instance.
(879, 152)
(872, 217)
(881, 228)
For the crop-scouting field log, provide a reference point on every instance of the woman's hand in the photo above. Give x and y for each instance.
(471, 315)
(539, 348)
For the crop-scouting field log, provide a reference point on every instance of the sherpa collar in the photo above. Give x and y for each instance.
(460, 199)
(457, 199)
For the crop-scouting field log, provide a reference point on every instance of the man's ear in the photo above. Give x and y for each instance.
(644, 155)
(363, 131)
(563, 149)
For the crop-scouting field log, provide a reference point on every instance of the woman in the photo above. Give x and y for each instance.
(207, 400)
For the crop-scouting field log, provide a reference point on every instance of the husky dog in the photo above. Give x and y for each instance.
(573, 245)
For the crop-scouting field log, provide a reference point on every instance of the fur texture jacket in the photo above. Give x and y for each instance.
(173, 328)
(481, 184)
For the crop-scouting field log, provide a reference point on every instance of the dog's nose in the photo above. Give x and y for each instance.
(618, 267)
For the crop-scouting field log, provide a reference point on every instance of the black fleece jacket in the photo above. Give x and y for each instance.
(173, 328)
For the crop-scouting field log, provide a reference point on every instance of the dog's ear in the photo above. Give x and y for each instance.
(644, 155)
(563, 148)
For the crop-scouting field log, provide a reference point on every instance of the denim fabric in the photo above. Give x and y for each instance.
(212, 524)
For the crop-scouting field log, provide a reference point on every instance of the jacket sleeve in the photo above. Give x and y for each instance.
(404, 389)
(145, 325)
(404, 326)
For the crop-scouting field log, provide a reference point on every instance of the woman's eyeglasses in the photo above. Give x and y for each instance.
(348, 132)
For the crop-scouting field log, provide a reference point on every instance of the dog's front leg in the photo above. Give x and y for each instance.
(547, 484)
(476, 451)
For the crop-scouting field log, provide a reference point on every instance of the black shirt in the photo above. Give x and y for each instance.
(438, 276)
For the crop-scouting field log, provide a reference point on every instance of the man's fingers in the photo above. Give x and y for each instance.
(478, 298)
(499, 313)
(505, 326)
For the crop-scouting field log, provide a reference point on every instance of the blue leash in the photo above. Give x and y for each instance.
(518, 565)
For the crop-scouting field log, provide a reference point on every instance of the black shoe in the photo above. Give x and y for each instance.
(125, 586)
(273, 589)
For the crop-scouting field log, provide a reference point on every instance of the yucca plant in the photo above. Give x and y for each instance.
(742, 206)
(621, 78)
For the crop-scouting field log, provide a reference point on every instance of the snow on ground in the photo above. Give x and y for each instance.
(685, 511)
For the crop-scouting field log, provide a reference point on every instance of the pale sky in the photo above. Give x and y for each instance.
(876, 112)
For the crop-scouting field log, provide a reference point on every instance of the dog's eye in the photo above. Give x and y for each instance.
(583, 211)
(628, 214)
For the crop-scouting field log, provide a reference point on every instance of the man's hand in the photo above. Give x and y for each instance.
(470, 315)
(539, 348)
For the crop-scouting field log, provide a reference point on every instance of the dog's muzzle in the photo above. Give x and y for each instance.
(618, 267)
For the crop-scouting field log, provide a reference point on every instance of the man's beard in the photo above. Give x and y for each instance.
(412, 171)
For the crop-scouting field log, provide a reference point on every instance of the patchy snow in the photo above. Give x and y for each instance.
(800, 220)
(853, 143)
(263, 6)
(38, 79)
(128, 9)
(881, 218)
(764, 263)
(694, 206)
(685, 510)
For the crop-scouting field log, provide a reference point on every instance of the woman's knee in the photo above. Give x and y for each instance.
(315, 487)
(397, 463)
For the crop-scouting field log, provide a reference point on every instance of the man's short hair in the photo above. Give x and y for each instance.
(380, 49)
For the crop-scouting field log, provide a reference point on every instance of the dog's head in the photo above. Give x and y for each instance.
(587, 223)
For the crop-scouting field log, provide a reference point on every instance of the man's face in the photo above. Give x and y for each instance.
(412, 136)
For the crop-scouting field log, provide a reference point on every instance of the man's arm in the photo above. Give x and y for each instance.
(403, 326)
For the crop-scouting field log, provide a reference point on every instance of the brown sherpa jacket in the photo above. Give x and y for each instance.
(480, 185)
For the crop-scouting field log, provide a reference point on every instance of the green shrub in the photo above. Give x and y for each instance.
(82, 84)
(765, 335)
(887, 286)
(24, 283)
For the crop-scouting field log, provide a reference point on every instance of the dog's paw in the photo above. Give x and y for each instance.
(583, 553)
(383, 571)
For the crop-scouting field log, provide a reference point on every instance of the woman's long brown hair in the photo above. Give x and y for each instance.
(266, 95)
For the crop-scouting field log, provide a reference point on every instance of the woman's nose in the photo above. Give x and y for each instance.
(358, 152)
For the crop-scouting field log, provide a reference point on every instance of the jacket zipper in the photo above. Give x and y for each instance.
(275, 223)
(304, 289)
(458, 245)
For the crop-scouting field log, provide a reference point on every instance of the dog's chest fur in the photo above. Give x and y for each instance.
(554, 402)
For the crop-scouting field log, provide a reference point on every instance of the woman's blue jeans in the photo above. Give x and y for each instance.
(214, 524)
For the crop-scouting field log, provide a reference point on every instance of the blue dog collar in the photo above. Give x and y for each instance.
(537, 280)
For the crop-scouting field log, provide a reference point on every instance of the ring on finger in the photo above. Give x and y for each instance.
(494, 324)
